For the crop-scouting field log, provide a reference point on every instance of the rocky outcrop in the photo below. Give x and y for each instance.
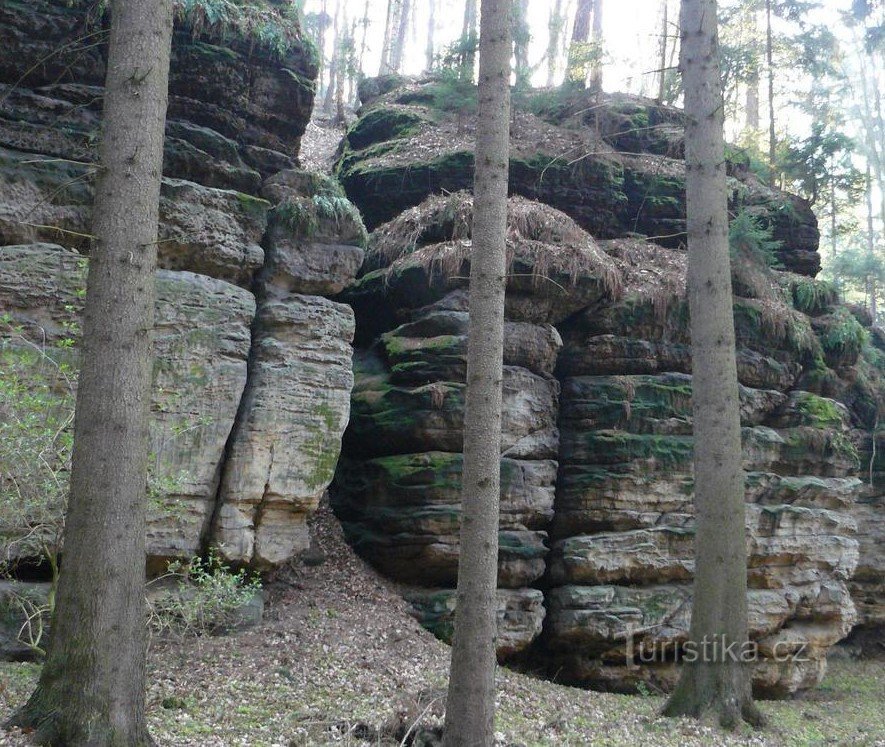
(201, 340)
(613, 163)
(608, 562)
(398, 490)
(253, 371)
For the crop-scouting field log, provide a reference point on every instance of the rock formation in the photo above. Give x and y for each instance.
(616, 567)
(253, 370)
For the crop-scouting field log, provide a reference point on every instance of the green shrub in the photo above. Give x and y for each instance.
(204, 598)
(749, 237)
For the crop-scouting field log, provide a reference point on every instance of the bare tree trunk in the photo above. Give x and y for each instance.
(393, 7)
(579, 51)
(522, 37)
(365, 24)
(556, 25)
(665, 35)
(430, 50)
(596, 64)
(714, 685)
(470, 708)
(91, 688)
(871, 239)
(468, 40)
(772, 132)
(396, 55)
(334, 63)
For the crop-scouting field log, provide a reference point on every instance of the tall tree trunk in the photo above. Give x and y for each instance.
(596, 64)
(665, 35)
(365, 24)
(833, 209)
(334, 63)
(468, 40)
(579, 49)
(470, 708)
(522, 37)
(555, 26)
(871, 239)
(396, 55)
(430, 50)
(91, 688)
(714, 685)
(772, 131)
(391, 24)
(322, 46)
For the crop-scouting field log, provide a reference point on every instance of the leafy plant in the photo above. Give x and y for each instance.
(204, 598)
(749, 237)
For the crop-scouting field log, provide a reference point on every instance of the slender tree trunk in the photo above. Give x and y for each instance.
(470, 708)
(91, 688)
(596, 64)
(772, 131)
(343, 44)
(389, 25)
(522, 36)
(833, 209)
(871, 239)
(322, 45)
(714, 685)
(430, 50)
(556, 24)
(665, 35)
(468, 40)
(396, 55)
(579, 49)
(334, 63)
(365, 23)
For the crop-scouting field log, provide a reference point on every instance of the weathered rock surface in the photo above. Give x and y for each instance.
(619, 562)
(520, 616)
(252, 395)
(283, 452)
(210, 231)
(237, 109)
(202, 341)
(616, 165)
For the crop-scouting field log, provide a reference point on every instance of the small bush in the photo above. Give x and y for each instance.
(206, 598)
(748, 237)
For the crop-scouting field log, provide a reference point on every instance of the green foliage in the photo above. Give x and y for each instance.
(843, 337)
(206, 598)
(449, 92)
(749, 237)
(306, 216)
(812, 296)
(36, 412)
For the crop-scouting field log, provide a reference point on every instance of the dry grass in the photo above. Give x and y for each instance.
(650, 274)
(543, 244)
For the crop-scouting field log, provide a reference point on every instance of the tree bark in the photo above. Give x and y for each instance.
(396, 55)
(578, 53)
(470, 708)
(556, 25)
(714, 685)
(334, 63)
(430, 50)
(91, 688)
(596, 64)
(390, 24)
(468, 40)
(772, 131)
(365, 24)
(665, 32)
(522, 36)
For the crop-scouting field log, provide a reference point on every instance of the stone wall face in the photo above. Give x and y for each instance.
(597, 528)
(253, 360)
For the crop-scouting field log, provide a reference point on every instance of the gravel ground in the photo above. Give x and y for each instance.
(337, 660)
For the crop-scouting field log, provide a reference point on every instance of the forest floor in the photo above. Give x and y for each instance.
(338, 660)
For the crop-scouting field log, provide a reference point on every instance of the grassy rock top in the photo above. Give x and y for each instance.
(614, 164)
